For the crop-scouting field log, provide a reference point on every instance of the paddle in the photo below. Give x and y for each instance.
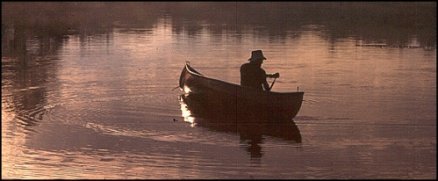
(276, 75)
(272, 84)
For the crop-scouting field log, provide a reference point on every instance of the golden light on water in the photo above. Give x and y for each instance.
(186, 89)
(100, 104)
(12, 139)
(187, 114)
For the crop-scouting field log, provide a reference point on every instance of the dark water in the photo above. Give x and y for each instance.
(102, 103)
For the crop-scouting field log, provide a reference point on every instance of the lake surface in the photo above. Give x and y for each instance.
(104, 105)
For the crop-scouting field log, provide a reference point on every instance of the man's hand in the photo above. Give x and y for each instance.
(276, 75)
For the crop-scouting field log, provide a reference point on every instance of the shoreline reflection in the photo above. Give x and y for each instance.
(252, 130)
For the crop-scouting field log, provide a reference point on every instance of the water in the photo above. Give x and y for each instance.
(103, 105)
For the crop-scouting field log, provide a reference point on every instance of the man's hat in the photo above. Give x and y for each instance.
(257, 55)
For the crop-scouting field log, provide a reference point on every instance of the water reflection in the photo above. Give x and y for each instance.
(112, 81)
(395, 24)
(28, 66)
(250, 128)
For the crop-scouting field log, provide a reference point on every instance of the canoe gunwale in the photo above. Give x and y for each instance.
(193, 72)
(221, 93)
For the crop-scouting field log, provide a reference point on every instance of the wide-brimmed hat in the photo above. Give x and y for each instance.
(257, 55)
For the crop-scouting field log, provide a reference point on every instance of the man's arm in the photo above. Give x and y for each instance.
(262, 79)
(266, 86)
(276, 75)
(265, 83)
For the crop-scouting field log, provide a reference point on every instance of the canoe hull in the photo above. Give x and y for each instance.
(232, 99)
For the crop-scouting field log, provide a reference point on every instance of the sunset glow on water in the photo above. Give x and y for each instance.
(103, 105)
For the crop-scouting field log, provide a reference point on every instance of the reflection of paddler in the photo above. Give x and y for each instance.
(250, 129)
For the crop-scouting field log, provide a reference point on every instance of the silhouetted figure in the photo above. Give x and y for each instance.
(252, 74)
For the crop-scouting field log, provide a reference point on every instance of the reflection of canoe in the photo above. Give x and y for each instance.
(250, 129)
(238, 100)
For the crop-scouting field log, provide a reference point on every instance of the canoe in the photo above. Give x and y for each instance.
(232, 99)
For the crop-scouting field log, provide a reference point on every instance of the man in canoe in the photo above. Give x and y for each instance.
(252, 73)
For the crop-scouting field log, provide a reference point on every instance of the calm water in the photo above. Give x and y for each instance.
(104, 106)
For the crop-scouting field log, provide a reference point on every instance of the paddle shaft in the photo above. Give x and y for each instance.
(272, 84)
